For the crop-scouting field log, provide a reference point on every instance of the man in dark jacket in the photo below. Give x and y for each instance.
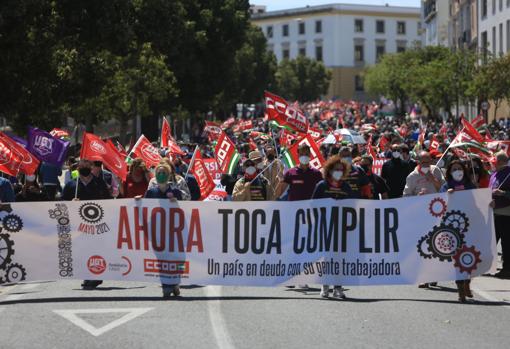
(395, 172)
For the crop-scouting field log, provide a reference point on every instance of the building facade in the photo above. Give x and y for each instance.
(463, 24)
(347, 38)
(494, 26)
(434, 15)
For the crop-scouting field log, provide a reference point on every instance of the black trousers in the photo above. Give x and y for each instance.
(502, 227)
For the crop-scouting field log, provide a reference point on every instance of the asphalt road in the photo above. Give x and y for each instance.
(133, 315)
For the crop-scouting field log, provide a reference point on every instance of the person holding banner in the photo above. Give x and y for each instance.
(165, 190)
(273, 167)
(395, 172)
(86, 187)
(334, 186)
(457, 178)
(500, 184)
(379, 188)
(137, 180)
(176, 183)
(253, 186)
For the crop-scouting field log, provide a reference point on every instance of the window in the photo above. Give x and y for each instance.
(401, 28)
(269, 31)
(380, 50)
(500, 5)
(358, 83)
(484, 8)
(358, 25)
(493, 7)
(493, 43)
(501, 39)
(318, 26)
(418, 32)
(285, 53)
(302, 51)
(285, 30)
(301, 28)
(318, 53)
(358, 53)
(508, 36)
(379, 27)
(507, 3)
(401, 46)
(483, 46)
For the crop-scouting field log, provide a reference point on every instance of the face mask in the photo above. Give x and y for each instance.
(30, 178)
(425, 169)
(304, 159)
(348, 159)
(337, 175)
(84, 171)
(270, 157)
(260, 166)
(365, 168)
(250, 170)
(161, 178)
(458, 175)
(396, 155)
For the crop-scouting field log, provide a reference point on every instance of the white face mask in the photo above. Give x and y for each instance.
(458, 175)
(425, 169)
(30, 178)
(260, 165)
(304, 159)
(250, 171)
(337, 175)
(396, 155)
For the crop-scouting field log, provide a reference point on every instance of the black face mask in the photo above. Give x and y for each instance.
(270, 157)
(84, 171)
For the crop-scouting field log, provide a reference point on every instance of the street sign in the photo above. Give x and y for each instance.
(485, 105)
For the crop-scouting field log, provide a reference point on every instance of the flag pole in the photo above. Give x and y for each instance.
(191, 162)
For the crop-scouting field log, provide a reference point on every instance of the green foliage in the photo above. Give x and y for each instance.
(96, 60)
(302, 79)
(434, 76)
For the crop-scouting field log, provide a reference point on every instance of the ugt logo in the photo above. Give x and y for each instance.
(43, 145)
(96, 264)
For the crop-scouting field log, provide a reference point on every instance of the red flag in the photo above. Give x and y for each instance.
(252, 144)
(478, 122)
(121, 149)
(166, 133)
(370, 149)
(286, 138)
(10, 159)
(382, 143)
(29, 162)
(95, 149)
(202, 175)
(59, 133)
(228, 123)
(168, 141)
(146, 151)
(434, 144)
(243, 125)
(471, 131)
(315, 133)
(212, 128)
(226, 154)
(286, 115)
(316, 158)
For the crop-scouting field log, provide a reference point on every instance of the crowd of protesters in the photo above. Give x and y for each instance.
(412, 167)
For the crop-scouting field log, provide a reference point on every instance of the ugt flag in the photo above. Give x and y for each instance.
(145, 150)
(284, 114)
(94, 149)
(46, 147)
(29, 163)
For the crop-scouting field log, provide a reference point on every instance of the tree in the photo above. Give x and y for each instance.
(302, 79)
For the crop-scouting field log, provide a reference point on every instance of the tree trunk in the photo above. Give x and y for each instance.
(123, 129)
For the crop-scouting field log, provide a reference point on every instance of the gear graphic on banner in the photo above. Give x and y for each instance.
(6, 250)
(12, 223)
(420, 247)
(15, 273)
(437, 207)
(444, 241)
(457, 220)
(467, 259)
(91, 212)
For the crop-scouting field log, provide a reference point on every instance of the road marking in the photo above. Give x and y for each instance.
(219, 327)
(489, 297)
(71, 315)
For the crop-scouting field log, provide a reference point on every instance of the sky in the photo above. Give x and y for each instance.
(273, 5)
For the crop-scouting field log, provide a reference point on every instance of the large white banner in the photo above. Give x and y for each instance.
(349, 242)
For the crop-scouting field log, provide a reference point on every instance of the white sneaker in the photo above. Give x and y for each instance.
(325, 291)
(338, 293)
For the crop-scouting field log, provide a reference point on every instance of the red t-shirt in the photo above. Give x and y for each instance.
(132, 188)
